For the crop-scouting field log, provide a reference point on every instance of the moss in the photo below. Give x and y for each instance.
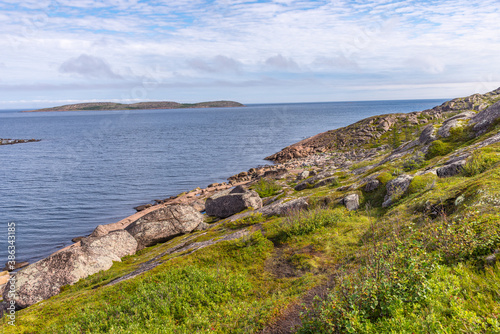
(421, 183)
(384, 177)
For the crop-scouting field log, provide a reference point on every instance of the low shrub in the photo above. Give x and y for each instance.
(389, 280)
(267, 188)
(438, 148)
(480, 162)
(415, 162)
(467, 239)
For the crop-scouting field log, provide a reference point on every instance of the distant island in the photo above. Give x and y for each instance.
(140, 105)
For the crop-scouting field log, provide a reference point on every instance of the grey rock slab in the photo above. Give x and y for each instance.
(396, 187)
(164, 224)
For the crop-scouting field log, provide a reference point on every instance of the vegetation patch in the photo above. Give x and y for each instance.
(422, 183)
(267, 187)
(481, 161)
(438, 148)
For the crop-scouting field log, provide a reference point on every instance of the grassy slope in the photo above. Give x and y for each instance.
(415, 267)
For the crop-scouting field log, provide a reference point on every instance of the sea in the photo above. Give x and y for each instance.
(94, 167)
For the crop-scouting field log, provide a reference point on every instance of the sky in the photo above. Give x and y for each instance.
(56, 52)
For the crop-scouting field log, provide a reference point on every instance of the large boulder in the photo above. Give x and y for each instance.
(113, 245)
(228, 203)
(396, 188)
(303, 175)
(372, 185)
(164, 224)
(44, 279)
(351, 202)
(451, 169)
(483, 120)
(282, 207)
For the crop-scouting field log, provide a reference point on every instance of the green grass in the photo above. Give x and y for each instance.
(299, 223)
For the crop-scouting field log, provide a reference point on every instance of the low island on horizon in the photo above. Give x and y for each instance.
(139, 106)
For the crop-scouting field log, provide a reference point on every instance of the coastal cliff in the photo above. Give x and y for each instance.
(391, 222)
(140, 106)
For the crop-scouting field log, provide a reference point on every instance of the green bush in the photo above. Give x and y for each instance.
(459, 134)
(480, 162)
(415, 162)
(267, 188)
(438, 148)
(389, 280)
(422, 183)
(459, 300)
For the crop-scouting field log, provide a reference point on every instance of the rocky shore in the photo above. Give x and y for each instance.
(17, 141)
(356, 153)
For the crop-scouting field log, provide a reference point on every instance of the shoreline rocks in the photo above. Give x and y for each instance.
(17, 141)
(227, 203)
(44, 279)
(164, 224)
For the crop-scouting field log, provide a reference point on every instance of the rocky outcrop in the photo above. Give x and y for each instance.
(482, 121)
(454, 122)
(43, 279)
(326, 182)
(428, 135)
(324, 178)
(282, 207)
(355, 136)
(372, 185)
(396, 188)
(351, 202)
(142, 207)
(164, 224)
(4, 277)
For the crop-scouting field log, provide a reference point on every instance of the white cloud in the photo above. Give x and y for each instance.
(344, 43)
(281, 63)
(89, 67)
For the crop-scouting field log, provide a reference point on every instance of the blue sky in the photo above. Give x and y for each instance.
(69, 51)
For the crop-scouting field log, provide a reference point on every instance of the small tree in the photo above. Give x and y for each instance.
(396, 140)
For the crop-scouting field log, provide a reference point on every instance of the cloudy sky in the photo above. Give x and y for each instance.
(68, 51)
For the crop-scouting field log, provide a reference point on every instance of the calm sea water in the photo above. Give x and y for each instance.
(93, 167)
